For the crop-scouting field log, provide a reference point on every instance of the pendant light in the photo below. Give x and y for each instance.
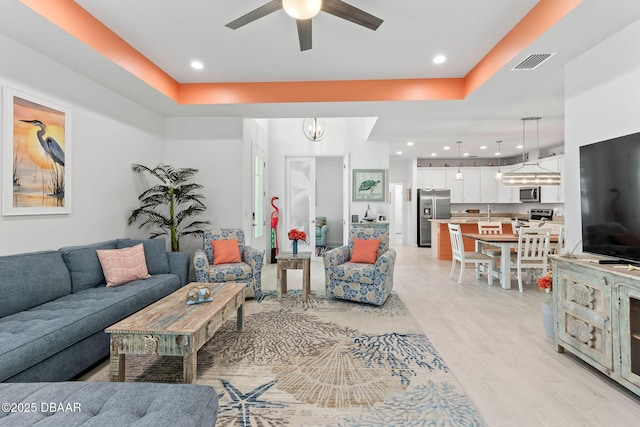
(498, 153)
(537, 176)
(314, 129)
(459, 175)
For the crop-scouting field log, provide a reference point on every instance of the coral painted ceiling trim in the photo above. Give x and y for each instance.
(73, 19)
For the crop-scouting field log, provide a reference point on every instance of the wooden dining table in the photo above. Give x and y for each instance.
(505, 242)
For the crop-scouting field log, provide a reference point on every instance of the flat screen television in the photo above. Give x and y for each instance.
(610, 197)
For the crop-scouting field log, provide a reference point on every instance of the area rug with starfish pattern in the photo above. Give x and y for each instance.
(322, 363)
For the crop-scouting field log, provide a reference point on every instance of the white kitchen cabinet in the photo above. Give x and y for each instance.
(488, 185)
(432, 178)
(553, 193)
(507, 193)
(457, 195)
(471, 186)
(478, 186)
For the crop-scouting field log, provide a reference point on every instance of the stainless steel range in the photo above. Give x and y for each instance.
(540, 214)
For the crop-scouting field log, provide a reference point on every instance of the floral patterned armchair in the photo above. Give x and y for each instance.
(248, 271)
(368, 283)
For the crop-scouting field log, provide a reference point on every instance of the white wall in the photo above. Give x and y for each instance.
(602, 101)
(214, 146)
(109, 133)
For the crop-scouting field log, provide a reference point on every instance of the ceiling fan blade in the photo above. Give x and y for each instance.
(304, 33)
(351, 13)
(258, 13)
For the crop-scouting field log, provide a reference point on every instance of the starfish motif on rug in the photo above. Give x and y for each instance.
(243, 403)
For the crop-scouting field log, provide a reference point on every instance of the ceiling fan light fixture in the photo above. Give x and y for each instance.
(302, 9)
(314, 129)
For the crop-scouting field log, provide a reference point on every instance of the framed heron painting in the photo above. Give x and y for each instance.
(36, 156)
(369, 185)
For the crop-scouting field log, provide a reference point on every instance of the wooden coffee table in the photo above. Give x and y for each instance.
(171, 327)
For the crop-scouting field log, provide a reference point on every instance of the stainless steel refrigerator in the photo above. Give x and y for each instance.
(432, 204)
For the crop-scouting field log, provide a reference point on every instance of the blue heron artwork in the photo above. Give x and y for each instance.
(40, 160)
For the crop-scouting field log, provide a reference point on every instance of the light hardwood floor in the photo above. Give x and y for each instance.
(494, 343)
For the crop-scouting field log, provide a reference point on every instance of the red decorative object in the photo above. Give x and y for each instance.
(297, 235)
(545, 282)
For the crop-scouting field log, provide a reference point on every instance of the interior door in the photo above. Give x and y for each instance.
(258, 220)
(346, 198)
(301, 201)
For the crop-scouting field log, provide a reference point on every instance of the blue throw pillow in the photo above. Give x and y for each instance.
(84, 265)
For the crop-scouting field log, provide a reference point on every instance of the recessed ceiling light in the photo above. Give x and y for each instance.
(465, 154)
(439, 59)
(434, 154)
(410, 143)
(497, 153)
(483, 147)
(518, 146)
(398, 152)
(446, 147)
(197, 65)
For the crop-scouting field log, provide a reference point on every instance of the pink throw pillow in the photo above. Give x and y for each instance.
(123, 265)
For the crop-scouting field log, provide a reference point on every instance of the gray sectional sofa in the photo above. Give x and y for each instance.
(92, 404)
(54, 306)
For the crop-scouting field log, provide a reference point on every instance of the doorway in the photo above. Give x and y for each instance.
(329, 203)
(396, 212)
(315, 196)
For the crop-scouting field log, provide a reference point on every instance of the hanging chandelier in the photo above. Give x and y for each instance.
(314, 129)
(536, 175)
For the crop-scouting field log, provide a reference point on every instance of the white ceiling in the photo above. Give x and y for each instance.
(171, 33)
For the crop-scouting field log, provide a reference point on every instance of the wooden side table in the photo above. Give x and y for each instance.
(290, 261)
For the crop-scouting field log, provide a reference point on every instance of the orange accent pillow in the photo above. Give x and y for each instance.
(123, 265)
(365, 251)
(225, 251)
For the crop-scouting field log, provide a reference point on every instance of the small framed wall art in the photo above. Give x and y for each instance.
(369, 185)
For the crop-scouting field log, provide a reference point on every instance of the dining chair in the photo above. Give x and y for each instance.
(560, 247)
(532, 252)
(466, 257)
(491, 227)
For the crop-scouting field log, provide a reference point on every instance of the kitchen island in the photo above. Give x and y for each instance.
(440, 243)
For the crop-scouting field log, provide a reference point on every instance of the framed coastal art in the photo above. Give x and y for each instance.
(369, 185)
(36, 155)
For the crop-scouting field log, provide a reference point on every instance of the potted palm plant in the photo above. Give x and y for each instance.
(170, 205)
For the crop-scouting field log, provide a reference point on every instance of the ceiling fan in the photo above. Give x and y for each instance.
(304, 10)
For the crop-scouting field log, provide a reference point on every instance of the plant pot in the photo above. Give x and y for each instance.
(547, 319)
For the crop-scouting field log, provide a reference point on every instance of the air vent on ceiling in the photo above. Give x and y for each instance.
(532, 61)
